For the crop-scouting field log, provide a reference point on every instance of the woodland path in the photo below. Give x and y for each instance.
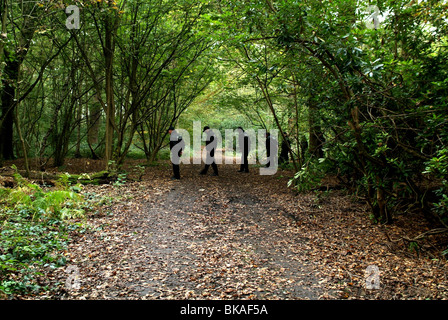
(237, 236)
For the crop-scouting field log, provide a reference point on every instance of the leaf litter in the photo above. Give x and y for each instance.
(239, 236)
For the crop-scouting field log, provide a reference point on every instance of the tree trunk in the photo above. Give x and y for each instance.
(22, 142)
(93, 116)
(11, 72)
(110, 103)
(13, 61)
(78, 131)
(315, 144)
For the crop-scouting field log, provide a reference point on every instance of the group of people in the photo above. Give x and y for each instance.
(177, 145)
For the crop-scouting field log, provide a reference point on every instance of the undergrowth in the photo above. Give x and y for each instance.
(34, 227)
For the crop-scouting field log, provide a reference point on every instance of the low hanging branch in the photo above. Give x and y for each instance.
(427, 233)
(421, 236)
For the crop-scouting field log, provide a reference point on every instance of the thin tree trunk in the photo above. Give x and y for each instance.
(109, 48)
(315, 143)
(22, 142)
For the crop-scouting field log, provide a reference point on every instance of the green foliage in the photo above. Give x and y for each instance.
(34, 225)
(309, 177)
(121, 180)
(44, 205)
(17, 177)
(437, 167)
(138, 171)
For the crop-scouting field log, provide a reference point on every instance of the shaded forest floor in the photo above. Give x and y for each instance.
(241, 236)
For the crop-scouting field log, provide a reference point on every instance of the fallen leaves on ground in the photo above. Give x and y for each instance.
(239, 236)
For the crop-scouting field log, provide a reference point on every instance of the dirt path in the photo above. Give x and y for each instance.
(214, 240)
(200, 237)
(237, 236)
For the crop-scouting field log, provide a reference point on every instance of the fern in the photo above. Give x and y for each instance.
(54, 204)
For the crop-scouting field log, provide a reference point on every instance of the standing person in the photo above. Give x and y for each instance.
(176, 147)
(210, 145)
(244, 143)
(284, 153)
(271, 153)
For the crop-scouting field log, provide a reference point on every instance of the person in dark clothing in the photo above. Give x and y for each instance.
(244, 143)
(210, 146)
(176, 147)
(271, 153)
(284, 153)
